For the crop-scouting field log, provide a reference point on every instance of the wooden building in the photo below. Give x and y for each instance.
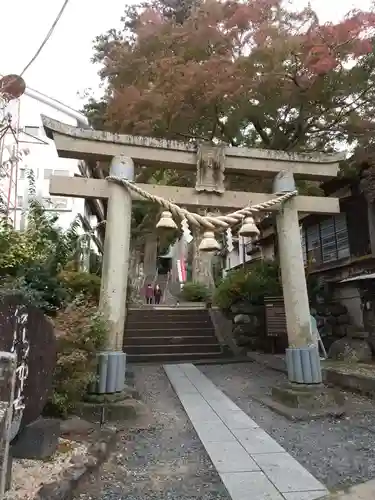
(338, 249)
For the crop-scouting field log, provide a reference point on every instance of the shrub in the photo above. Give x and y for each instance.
(81, 283)
(250, 285)
(81, 332)
(195, 292)
(37, 286)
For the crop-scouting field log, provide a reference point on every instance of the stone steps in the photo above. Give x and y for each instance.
(176, 340)
(168, 349)
(170, 334)
(172, 331)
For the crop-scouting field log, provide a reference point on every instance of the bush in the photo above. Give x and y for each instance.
(81, 283)
(81, 332)
(37, 286)
(195, 292)
(250, 285)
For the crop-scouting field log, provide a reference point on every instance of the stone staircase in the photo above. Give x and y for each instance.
(175, 334)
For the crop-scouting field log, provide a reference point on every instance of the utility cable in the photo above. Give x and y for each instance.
(47, 37)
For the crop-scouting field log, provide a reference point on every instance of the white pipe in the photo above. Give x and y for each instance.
(82, 121)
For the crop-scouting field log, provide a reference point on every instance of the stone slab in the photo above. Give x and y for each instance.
(257, 441)
(299, 414)
(229, 456)
(305, 495)
(234, 441)
(213, 432)
(113, 412)
(250, 486)
(310, 398)
(237, 419)
(286, 473)
(37, 440)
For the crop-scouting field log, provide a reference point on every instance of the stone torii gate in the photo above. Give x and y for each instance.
(211, 163)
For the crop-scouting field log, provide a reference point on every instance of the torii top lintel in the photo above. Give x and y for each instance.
(80, 143)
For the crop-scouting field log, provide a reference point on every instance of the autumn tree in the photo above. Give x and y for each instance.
(252, 73)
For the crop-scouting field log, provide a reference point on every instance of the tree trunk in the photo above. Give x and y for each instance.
(135, 276)
(150, 256)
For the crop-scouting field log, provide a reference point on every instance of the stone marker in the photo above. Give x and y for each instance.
(37, 440)
(31, 334)
(7, 382)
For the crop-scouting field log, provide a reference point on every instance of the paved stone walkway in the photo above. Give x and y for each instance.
(338, 451)
(159, 457)
(250, 463)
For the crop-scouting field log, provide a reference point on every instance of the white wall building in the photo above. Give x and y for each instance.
(41, 157)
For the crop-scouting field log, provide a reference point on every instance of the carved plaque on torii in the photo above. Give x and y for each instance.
(210, 168)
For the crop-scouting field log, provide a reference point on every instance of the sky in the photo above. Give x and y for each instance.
(63, 70)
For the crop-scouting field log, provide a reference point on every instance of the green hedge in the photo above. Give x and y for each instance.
(250, 285)
(81, 283)
(195, 292)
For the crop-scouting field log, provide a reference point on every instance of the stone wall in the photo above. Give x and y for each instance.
(248, 326)
(343, 340)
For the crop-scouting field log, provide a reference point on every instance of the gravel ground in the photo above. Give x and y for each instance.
(164, 460)
(338, 452)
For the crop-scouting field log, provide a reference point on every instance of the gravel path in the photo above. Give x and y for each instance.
(164, 461)
(339, 452)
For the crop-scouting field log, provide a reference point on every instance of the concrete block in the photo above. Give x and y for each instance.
(250, 486)
(37, 440)
(230, 457)
(237, 419)
(306, 495)
(257, 441)
(287, 474)
(213, 432)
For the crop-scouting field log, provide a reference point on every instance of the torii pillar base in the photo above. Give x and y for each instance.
(112, 362)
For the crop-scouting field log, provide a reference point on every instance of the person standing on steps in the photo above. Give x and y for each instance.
(149, 294)
(157, 294)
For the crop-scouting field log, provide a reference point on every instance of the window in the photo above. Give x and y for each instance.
(47, 202)
(342, 237)
(313, 244)
(60, 203)
(47, 173)
(64, 173)
(327, 241)
(34, 131)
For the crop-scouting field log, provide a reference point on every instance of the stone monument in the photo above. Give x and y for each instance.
(29, 335)
(7, 383)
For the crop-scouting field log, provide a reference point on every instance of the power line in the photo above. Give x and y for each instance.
(47, 37)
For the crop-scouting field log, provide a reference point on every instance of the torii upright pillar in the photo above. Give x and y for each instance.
(302, 356)
(112, 361)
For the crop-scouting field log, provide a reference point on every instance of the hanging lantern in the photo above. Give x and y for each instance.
(166, 221)
(209, 243)
(248, 227)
